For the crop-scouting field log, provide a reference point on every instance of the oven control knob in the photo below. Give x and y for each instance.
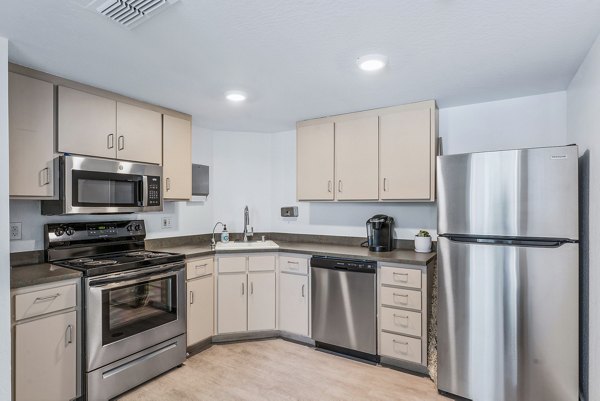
(138, 227)
(59, 231)
(130, 227)
(69, 231)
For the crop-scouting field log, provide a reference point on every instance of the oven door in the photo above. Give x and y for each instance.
(129, 312)
(93, 185)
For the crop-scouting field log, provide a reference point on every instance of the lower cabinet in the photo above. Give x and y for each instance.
(45, 343)
(200, 309)
(231, 303)
(261, 301)
(246, 293)
(293, 303)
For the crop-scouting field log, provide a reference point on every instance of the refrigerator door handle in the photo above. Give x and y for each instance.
(524, 242)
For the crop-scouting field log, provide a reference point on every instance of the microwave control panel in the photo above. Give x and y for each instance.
(154, 189)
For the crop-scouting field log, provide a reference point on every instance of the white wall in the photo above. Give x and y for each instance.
(188, 218)
(584, 129)
(514, 123)
(5, 344)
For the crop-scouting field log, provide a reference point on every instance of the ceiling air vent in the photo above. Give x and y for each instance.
(131, 13)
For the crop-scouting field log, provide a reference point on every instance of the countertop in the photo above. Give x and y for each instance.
(396, 256)
(25, 276)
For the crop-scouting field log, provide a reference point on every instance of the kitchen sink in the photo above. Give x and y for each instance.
(241, 245)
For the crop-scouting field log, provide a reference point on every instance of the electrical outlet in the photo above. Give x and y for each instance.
(166, 222)
(15, 231)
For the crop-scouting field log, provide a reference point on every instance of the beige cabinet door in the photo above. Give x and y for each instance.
(315, 161)
(45, 358)
(200, 309)
(405, 154)
(86, 123)
(261, 301)
(356, 159)
(139, 134)
(31, 130)
(177, 158)
(293, 304)
(231, 303)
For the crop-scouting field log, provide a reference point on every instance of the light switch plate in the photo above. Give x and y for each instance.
(15, 231)
(166, 222)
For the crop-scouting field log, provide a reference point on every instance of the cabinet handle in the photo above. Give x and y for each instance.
(121, 142)
(48, 298)
(293, 263)
(191, 297)
(303, 290)
(110, 141)
(242, 288)
(400, 342)
(251, 287)
(69, 336)
(384, 186)
(45, 177)
(168, 184)
(401, 295)
(400, 316)
(329, 186)
(340, 186)
(404, 277)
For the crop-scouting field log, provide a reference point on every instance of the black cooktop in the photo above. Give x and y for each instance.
(120, 261)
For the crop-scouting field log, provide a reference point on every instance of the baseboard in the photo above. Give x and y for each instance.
(245, 336)
(405, 366)
(199, 347)
(297, 338)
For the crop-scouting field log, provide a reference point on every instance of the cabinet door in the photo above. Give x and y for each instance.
(86, 123)
(31, 129)
(200, 309)
(231, 303)
(356, 159)
(139, 134)
(45, 358)
(405, 155)
(177, 158)
(314, 158)
(293, 303)
(261, 301)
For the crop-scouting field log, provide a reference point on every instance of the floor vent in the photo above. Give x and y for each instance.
(130, 13)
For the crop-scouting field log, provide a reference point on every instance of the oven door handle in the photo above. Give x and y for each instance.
(121, 280)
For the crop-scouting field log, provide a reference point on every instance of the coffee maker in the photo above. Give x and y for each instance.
(380, 233)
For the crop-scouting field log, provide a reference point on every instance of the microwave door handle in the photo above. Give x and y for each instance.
(145, 190)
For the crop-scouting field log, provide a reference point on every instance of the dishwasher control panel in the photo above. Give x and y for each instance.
(357, 265)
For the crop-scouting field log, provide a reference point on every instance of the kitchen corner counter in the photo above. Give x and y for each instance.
(406, 256)
(25, 276)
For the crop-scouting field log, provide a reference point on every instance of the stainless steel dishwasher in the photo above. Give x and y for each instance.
(343, 299)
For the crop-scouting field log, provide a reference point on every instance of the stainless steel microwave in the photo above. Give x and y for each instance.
(89, 185)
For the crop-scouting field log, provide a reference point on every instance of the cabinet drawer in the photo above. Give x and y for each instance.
(293, 265)
(401, 321)
(235, 264)
(401, 298)
(401, 277)
(49, 300)
(400, 347)
(199, 267)
(261, 263)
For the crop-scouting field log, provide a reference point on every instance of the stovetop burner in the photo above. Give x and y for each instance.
(147, 254)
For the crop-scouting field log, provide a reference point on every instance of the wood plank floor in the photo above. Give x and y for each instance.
(281, 370)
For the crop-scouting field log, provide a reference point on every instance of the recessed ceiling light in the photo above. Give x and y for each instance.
(372, 62)
(236, 96)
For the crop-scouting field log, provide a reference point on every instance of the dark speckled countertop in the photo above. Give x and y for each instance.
(345, 251)
(25, 276)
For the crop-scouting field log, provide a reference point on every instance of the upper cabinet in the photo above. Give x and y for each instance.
(356, 159)
(87, 124)
(379, 155)
(177, 158)
(31, 130)
(93, 125)
(315, 162)
(139, 134)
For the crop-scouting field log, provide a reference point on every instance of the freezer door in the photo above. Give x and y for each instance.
(515, 193)
(508, 322)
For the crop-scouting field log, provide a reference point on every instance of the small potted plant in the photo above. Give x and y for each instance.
(423, 242)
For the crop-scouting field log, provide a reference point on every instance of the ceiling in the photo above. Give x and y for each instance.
(296, 58)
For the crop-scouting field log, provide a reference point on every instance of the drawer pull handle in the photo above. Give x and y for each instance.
(302, 290)
(400, 342)
(404, 277)
(202, 265)
(191, 297)
(329, 186)
(293, 263)
(251, 287)
(401, 295)
(404, 297)
(45, 299)
(400, 316)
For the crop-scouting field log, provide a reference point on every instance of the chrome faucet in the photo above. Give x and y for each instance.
(248, 231)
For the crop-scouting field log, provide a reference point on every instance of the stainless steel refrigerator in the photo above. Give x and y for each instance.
(508, 260)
